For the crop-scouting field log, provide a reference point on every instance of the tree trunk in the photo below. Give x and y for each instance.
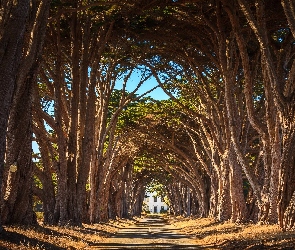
(103, 200)
(18, 195)
(137, 207)
(287, 182)
(18, 207)
(11, 44)
(239, 212)
(86, 155)
(125, 202)
(224, 201)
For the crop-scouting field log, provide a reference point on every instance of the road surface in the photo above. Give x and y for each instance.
(151, 232)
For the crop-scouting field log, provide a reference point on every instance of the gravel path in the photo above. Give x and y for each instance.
(151, 232)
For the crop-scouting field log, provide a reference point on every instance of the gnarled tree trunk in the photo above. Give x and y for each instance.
(13, 24)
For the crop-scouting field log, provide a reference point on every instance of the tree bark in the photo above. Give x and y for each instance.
(11, 44)
(20, 202)
(287, 187)
(239, 211)
(18, 207)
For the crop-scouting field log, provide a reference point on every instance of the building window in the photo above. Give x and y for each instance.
(155, 199)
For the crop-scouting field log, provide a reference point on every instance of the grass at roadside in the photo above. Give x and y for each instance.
(215, 235)
(205, 232)
(54, 238)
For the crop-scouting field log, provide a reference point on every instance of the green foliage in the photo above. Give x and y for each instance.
(145, 208)
(37, 182)
(131, 113)
(163, 211)
(88, 187)
(40, 216)
(156, 186)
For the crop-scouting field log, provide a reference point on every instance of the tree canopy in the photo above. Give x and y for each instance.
(222, 145)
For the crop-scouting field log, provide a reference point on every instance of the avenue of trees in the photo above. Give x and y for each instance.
(222, 145)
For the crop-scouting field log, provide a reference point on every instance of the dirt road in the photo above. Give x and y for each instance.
(152, 232)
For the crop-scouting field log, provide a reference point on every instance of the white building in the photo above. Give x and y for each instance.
(154, 204)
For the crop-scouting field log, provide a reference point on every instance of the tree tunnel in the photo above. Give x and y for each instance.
(222, 144)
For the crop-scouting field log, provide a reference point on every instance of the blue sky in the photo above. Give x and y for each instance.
(157, 94)
(133, 81)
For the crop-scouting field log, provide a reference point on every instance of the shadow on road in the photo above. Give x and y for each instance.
(145, 246)
(151, 232)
